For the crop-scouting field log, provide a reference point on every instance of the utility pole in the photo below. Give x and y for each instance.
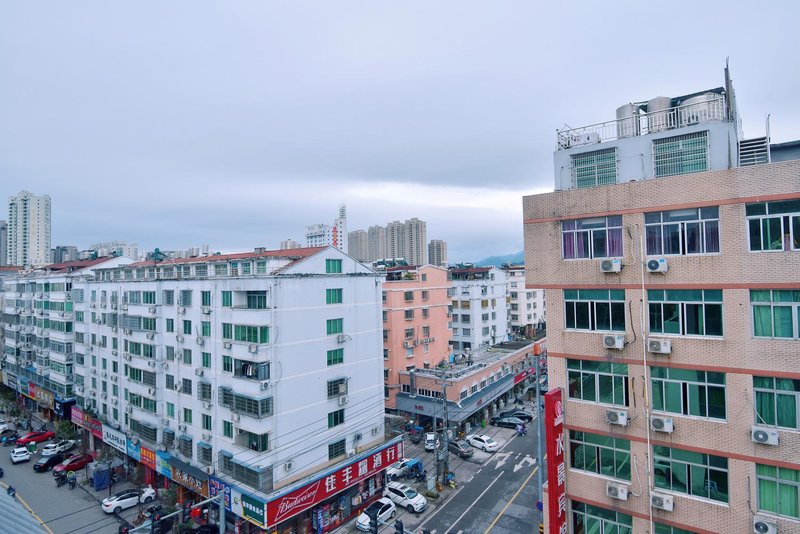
(445, 440)
(538, 413)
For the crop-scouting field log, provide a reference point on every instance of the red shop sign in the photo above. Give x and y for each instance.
(76, 416)
(556, 468)
(315, 492)
(147, 457)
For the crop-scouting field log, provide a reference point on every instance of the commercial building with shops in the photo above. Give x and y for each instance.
(670, 253)
(416, 334)
(474, 386)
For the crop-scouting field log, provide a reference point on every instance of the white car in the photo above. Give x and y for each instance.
(3, 425)
(396, 470)
(62, 446)
(405, 497)
(484, 443)
(431, 441)
(127, 498)
(20, 454)
(385, 509)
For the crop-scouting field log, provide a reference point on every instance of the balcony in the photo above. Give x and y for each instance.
(710, 108)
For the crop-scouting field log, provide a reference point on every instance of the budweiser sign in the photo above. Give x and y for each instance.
(331, 484)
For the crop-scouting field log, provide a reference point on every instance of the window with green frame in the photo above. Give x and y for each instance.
(685, 312)
(333, 266)
(669, 529)
(778, 490)
(205, 328)
(170, 325)
(205, 298)
(591, 169)
(600, 310)
(777, 401)
(776, 313)
(227, 299)
(590, 519)
(603, 455)
(602, 382)
(206, 358)
(774, 226)
(682, 154)
(333, 296)
(227, 331)
(187, 327)
(688, 392)
(691, 473)
(227, 429)
(227, 364)
(335, 326)
(206, 422)
(336, 418)
(170, 410)
(335, 356)
(187, 416)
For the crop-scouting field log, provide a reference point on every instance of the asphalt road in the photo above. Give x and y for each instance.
(499, 498)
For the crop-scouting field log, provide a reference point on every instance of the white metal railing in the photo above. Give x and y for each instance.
(643, 123)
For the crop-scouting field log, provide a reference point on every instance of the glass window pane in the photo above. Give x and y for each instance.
(599, 243)
(765, 408)
(575, 390)
(618, 316)
(606, 389)
(603, 316)
(569, 312)
(786, 410)
(713, 314)
(711, 236)
(589, 391)
(755, 234)
(767, 495)
(694, 238)
(783, 321)
(582, 315)
(672, 240)
(762, 321)
(672, 324)
(607, 462)
(700, 485)
(716, 402)
(772, 233)
(694, 319)
(674, 397)
(656, 318)
(653, 239)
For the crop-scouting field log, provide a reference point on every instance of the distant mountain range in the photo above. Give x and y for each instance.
(497, 261)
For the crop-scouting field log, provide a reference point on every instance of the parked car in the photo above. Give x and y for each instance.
(431, 441)
(405, 497)
(126, 499)
(398, 469)
(9, 439)
(507, 422)
(36, 437)
(3, 425)
(79, 461)
(20, 454)
(46, 463)
(484, 443)
(65, 445)
(519, 414)
(460, 449)
(383, 507)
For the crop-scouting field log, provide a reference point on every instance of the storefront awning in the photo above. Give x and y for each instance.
(199, 474)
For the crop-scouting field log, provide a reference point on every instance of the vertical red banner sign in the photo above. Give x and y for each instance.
(556, 468)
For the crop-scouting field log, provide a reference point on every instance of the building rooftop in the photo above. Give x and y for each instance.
(467, 364)
(295, 253)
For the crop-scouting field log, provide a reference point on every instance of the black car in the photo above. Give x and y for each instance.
(10, 439)
(460, 448)
(46, 463)
(519, 414)
(507, 422)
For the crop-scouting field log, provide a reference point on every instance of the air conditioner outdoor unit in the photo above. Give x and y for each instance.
(150, 335)
(375, 430)
(200, 340)
(127, 356)
(288, 466)
(182, 428)
(206, 405)
(263, 385)
(616, 490)
(762, 525)
(206, 311)
(165, 421)
(253, 348)
(114, 378)
(113, 306)
(151, 363)
(227, 345)
(659, 346)
(104, 373)
(611, 266)
(151, 309)
(617, 417)
(114, 329)
(115, 401)
(343, 399)
(128, 409)
(198, 371)
(94, 371)
(124, 307)
(178, 388)
(235, 418)
(357, 436)
(181, 310)
(113, 352)
(341, 338)
(764, 435)
(661, 424)
(179, 338)
(614, 341)
(104, 395)
(351, 453)
(128, 331)
(662, 501)
(207, 437)
(657, 265)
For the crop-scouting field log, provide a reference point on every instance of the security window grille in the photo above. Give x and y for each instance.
(220, 269)
(185, 446)
(600, 382)
(336, 449)
(777, 402)
(691, 473)
(591, 169)
(681, 155)
(599, 310)
(204, 453)
(204, 391)
(778, 490)
(688, 392)
(335, 356)
(168, 437)
(337, 387)
(334, 326)
(168, 297)
(599, 237)
(408, 296)
(776, 313)
(588, 518)
(685, 312)
(148, 297)
(170, 381)
(186, 386)
(774, 226)
(603, 455)
(682, 232)
(333, 296)
(143, 430)
(409, 314)
(185, 298)
(336, 418)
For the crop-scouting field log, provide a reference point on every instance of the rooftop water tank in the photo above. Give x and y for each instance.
(658, 114)
(701, 108)
(627, 121)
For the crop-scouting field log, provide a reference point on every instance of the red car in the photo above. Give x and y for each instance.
(35, 437)
(79, 461)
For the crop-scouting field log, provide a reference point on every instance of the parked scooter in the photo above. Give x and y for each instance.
(61, 479)
(72, 480)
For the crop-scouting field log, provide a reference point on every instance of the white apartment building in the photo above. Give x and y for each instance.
(323, 235)
(28, 230)
(479, 309)
(526, 307)
(119, 248)
(263, 367)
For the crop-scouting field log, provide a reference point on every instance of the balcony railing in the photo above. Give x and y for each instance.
(643, 123)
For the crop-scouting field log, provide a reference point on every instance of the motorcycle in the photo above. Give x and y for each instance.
(60, 480)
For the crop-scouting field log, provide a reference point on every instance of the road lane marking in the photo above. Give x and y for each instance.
(526, 460)
(469, 508)
(501, 459)
(496, 519)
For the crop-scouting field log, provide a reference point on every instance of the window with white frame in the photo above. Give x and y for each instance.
(774, 226)
(682, 232)
(595, 520)
(776, 313)
(778, 490)
(691, 473)
(598, 237)
(591, 169)
(682, 154)
(600, 310)
(688, 392)
(685, 312)
(603, 455)
(601, 382)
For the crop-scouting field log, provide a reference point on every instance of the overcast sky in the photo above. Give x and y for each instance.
(236, 124)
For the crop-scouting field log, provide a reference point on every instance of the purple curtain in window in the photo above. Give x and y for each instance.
(582, 244)
(614, 242)
(712, 236)
(569, 245)
(653, 238)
